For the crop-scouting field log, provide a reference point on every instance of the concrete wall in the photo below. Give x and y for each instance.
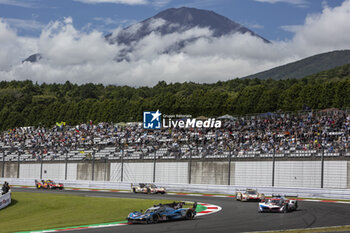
(29, 170)
(172, 173)
(253, 173)
(298, 174)
(72, 171)
(115, 172)
(102, 171)
(348, 175)
(11, 170)
(138, 172)
(335, 174)
(54, 171)
(209, 173)
(0, 169)
(84, 171)
(292, 173)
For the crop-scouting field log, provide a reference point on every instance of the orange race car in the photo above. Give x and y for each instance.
(48, 184)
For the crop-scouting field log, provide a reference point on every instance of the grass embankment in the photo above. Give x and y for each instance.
(38, 211)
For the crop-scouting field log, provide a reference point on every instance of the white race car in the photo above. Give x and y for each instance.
(147, 188)
(249, 195)
(278, 204)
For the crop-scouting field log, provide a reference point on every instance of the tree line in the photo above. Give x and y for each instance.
(24, 103)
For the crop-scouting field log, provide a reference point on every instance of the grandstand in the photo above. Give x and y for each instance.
(245, 151)
(306, 134)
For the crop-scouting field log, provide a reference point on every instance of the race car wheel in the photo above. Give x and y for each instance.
(155, 219)
(285, 210)
(148, 190)
(134, 190)
(189, 215)
(238, 197)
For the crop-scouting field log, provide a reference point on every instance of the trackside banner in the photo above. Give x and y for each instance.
(5, 200)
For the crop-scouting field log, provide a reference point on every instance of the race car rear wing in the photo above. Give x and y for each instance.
(141, 185)
(240, 190)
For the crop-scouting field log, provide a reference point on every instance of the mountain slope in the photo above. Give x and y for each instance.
(174, 20)
(306, 67)
(179, 20)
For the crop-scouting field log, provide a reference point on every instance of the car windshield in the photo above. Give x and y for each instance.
(251, 192)
(275, 201)
(151, 210)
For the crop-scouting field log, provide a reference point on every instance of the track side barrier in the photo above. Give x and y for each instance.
(5, 200)
(200, 188)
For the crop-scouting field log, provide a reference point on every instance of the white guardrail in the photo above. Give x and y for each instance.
(5, 200)
(198, 188)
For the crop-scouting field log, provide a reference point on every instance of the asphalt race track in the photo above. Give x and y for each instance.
(234, 217)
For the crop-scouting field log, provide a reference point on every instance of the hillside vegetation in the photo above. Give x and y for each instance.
(23, 103)
(307, 66)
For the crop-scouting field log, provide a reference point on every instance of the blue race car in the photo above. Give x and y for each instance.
(163, 212)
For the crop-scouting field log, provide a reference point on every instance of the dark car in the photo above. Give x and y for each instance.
(163, 212)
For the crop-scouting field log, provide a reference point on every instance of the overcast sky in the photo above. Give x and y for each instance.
(70, 36)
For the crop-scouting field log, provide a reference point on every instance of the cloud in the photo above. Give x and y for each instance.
(126, 2)
(26, 4)
(24, 24)
(63, 45)
(299, 3)
(107, 21)
(323, 32)
(13, 48)
(253, 25)
(81, 57)
(160, 3)
(156, 3)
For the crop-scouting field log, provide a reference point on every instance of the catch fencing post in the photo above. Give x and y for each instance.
(273, 166)
(190, 165)
(18, 162)
(66, 168)
(122, 164)
(154, 164)
(93, 164)
(3, 164)
(229, 165)
(322, 166)
(41, 167)
(105, 177)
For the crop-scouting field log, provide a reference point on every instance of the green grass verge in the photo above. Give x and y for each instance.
(38, 211)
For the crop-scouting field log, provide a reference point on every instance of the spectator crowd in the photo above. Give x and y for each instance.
(264, 133)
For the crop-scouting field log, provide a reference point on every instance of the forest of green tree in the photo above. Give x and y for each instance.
(24, 103)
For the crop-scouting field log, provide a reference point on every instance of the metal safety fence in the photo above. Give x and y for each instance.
(187, 164)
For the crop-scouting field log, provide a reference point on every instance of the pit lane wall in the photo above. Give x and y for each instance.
(5, 200)
(287, 173)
